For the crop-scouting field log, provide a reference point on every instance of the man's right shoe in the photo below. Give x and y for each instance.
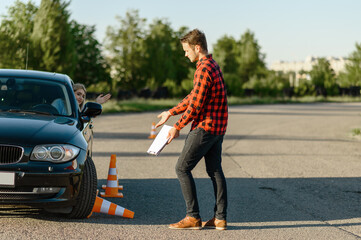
(187, 223)
(214, 223)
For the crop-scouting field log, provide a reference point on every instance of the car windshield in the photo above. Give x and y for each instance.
(36, 96)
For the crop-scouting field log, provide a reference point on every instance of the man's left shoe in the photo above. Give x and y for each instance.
(187, 223)
(214, 223)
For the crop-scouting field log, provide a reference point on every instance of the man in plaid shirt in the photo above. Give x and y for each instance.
(206, 107)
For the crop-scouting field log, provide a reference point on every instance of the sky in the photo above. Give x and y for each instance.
(286, 30)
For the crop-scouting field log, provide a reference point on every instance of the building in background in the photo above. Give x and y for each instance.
(300, 69)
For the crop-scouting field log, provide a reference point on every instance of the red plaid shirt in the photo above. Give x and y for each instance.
(206, 105)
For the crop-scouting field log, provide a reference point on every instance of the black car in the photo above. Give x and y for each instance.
(45, 144)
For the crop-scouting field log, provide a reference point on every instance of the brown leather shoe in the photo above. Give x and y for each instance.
(187, 223)
(214, 223)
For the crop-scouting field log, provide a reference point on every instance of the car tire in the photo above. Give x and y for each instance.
(88, 191)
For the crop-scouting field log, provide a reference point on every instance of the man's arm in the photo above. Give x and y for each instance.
(191, 105)
(181, 107)
(196, 100)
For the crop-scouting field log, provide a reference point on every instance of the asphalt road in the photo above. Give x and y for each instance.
(293, 172)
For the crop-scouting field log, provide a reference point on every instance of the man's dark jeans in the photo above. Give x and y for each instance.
(198, 144)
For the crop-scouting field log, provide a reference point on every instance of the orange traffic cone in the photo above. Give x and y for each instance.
(112, 187)
(152, 132)
(104, 206)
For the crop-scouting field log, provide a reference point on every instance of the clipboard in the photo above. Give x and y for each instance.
(160, 141)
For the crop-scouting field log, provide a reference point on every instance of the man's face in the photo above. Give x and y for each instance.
(190, 52)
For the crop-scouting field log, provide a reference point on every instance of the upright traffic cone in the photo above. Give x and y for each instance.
(112, 187)
(152, 132)
(104, 206)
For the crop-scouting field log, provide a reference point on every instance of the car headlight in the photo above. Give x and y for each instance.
(56, 153)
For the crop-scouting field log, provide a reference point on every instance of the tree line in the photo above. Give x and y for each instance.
(142, 59)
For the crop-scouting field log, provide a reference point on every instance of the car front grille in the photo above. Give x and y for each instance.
(10, 154)
(23, 193)
(20, 196)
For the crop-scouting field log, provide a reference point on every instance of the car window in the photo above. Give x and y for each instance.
(34, 95)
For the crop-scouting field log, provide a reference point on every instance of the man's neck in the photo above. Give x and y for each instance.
(203, 54)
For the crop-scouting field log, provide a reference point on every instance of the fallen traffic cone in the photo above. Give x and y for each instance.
(152, 132)
(112, 187)
(104, 206)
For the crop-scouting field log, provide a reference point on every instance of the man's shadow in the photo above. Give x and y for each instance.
(260, 203)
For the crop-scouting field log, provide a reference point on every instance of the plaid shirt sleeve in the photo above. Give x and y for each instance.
(193, 103)
(182, 106)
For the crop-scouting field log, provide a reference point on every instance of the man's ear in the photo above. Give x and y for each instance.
(197, 48)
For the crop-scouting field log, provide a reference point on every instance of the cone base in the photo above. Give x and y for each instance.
(151, 137)
(118, 195)
(120, 187)
(128, 214)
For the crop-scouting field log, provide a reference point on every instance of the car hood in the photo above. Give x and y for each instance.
(32, 129)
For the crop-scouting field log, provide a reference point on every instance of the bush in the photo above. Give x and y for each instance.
(187, 85)
(234, 84)
(272, 85)
(173, 88)
(304, 88)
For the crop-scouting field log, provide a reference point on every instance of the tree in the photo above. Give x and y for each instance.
(15, 31)
(182, 63)
(91, 67)
(164, 58)
(126, 54)
(181, 81)
(250, 58)
(323, 77)
(352, 74)
(158, 53)
(225, 52)
(240, 61)
(52, 39)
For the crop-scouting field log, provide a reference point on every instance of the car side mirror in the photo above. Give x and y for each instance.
(91, 109)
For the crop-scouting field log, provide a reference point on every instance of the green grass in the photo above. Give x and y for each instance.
(142, 105)
(356, 132)
(138, 105)
(275, 100)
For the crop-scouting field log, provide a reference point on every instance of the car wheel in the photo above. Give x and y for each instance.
(88, 191)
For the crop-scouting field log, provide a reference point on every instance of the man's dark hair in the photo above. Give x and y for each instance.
(195, 37)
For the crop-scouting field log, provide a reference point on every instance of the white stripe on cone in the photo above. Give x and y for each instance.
(119, 211)
(112, 183)
(112, 171)
(105, 206)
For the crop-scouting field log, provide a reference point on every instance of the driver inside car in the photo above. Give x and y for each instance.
(60, 106)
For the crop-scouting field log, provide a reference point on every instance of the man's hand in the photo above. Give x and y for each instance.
(173, 133)
(164, 116)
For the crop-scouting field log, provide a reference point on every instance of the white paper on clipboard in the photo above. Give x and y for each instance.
(160, 141)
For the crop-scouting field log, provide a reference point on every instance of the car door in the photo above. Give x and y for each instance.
(88, 135)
